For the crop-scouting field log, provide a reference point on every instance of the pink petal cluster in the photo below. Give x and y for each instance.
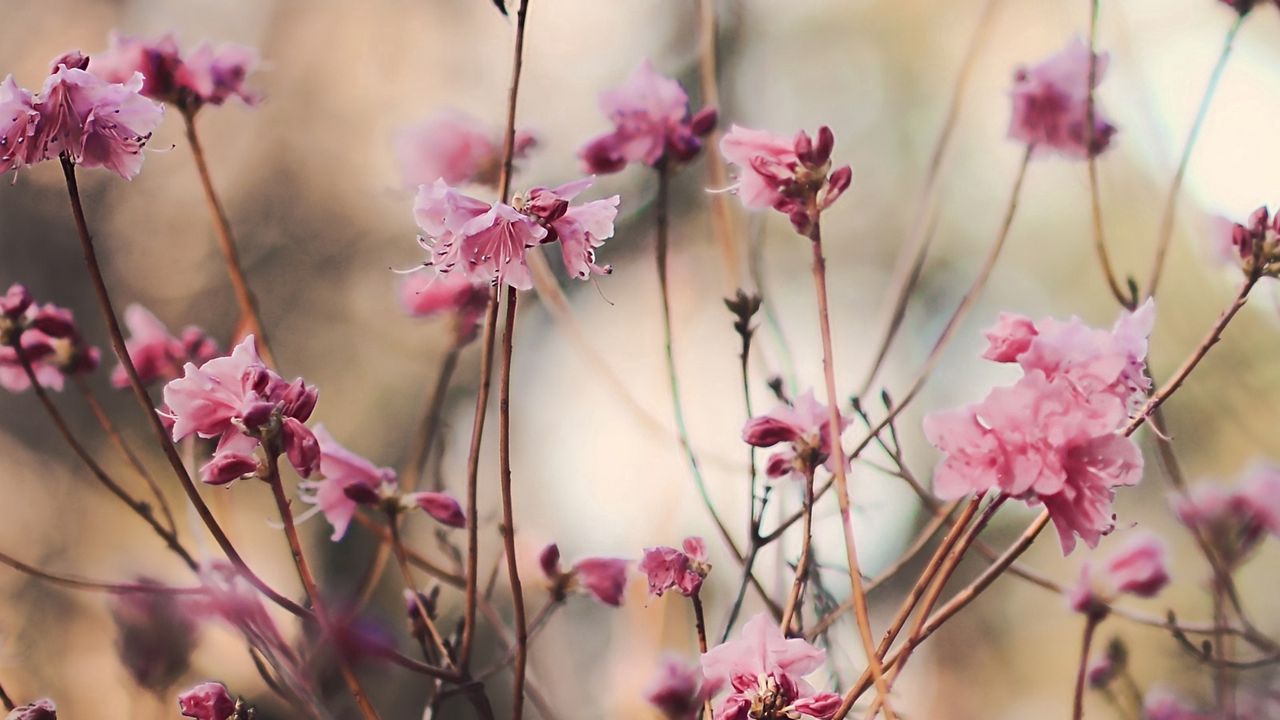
(765, 671)
(1050, 104)
(1054, 437)
(42, 709)
(672, 569)
(1234, 519)
(604, 578)
(792, 176)
(77, 115)
(677, 690)
(241, 401)
(47, 337)
(455, 147)
(1255, 244)
(651, 123)
(156, 354)
(804, 426)
(207, 75)
(207, 701)
(487, 242)
(1139, 568)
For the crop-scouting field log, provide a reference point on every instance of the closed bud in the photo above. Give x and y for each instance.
(704, 121)
(226, 468)
(804, 148)
(825, 144)
(53, 321)
(300, 446)
(15, 302)
(837, 183)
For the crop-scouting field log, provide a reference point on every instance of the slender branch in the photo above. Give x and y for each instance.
(508, 512)
(1091, 625)
(721, 216)
(397, 546)
(113, 588)
(1168, 215)
(802, 566)
(250, 318)
(1095, 193)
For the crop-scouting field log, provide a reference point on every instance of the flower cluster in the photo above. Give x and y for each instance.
(46, 337)
(792, 176)
(651, 124)
(1054, 437)
(454, 147)
(487, 242)
(158, 355)
(1234, 519)
(1255, 245)
(672, 569)
(765, 671)
(604, 578)
(1051, 104)
(79, 116)
(677, 690)
(1138, 568)
(804, 426)
(42, 709)
(208, 75)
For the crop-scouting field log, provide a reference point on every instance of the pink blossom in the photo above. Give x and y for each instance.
(155, 636)
(1140, 568)
(605, 578)
(677, 690)
(766, 670)
(427, 293)
(1010, 337)
(156, 354)
(206, 399)
(1040, 441)
(207, 701)
(804, 426)
(42, 709)
(669, 568)
(1235, 519)
(208, 75)
(231, 599)
(218, 73)
(1161, 704)
(1049, 104)
(484, 242)
(792, 176)
(1255, 244)
(579, 228)
(347, 476)
(455, 147)
(40, 353)
(650, 114)
(19, 123)
(48, 338)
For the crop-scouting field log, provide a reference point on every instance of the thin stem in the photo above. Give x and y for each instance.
(1091, 625)
(313, 590)
(117, 439)
(699, 622)
(802, 566)
(1095, 193)
(721, 216)
(397, 546)
(250, 318)
(841, 479)
(6, 700)
(112, 588)
(1167, 217)
(508, 513)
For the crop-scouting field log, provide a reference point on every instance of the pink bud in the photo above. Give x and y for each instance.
(257, 413)
(804, 147)
(825, 144)
(602, 157)
(1009, 337)
(54, 321)
(300, 400)
(15, 301)
(207, 701)
(440, 506)
(605, 578)
(1258, 220)
(549, 561)
(704, 121)
(225, 468)
(767, 431)
(837, 183)
(300, 446)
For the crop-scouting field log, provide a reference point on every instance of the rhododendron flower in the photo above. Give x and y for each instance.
(42, 709)
(1139, 568)
(766, 672)
(677, 690)
(669, 568)
(650, 114)
(1255, 244)
(792, 176)
(207, 701)
(1050, 104)
(604, 578)
(208, 75)
(426, 294)
(19, 123)
(218, 73)
(156, 354)
(347, 476)
(804, 426)
(48, 338)
(455, 147)
(1234, 520)
(1040, 441)
(579, 228)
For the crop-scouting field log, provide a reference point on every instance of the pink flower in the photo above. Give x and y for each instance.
(1139, 568)
(605, 578)
(669, 568)
(48, 338)
(765, 669)
(206, 399)
(425, 294)
(155, 636)
(650, 114)
(218, 73)
(208, 75)
(1049, 104)
(1255, 244)
(455, 147)
(1235, 519)
(1042, 442)
(677, 690)
(793, 177)
(348, 478)
(207, 701)
(156, 354)
(804, 426)
(1161, 704)
(19, 123)
(1009, 337)
(231, 599)
(42, 709)
(579, 228)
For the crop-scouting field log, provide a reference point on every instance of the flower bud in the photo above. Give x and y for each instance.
(15, 302)
(53, 321)
(767, 431)
(440, 506)
(837, 183)
(226, 468)
(704, 121)
(300, 446)
(74, 60)
(207, 701)
(549, 561)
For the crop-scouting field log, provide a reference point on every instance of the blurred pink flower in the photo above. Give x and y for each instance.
(1049, 104)
(1140, 568)
(208, 75)
(1160, 704)
(804, 426)
(206, 399)
(207, 701)
(677, 690)
(605, 578)
(19, 123)
(156, 354)
(347, 477)
(218, 73)
(650, 114)
(42, 709)
(668, 568)
(1234, 519)
(793, 176)
(1009, 337)
(455, 147)
(155, 636)
(579, 228)
(48, 338)
(766, 669)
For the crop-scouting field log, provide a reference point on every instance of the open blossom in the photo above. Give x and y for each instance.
(455, 147)
(42, 709)
(1050, 104)
(765, 671)
(48, 339)
(605, 578)
(207, 75)
(427, 294)
(19, 122)
(804, 427)
(207, 701)
(670, 569)
(487, 242)
(792, 176)
(1138, 568)
(156, 354)
(650, 114)
(1234, 519)
(677, 690)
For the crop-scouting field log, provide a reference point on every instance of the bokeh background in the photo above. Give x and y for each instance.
(311, 184)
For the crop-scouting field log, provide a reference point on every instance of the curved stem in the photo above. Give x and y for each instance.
(1091, 625)
(113, 588)
(1168, 215)
(249, 316)
(508, 512)
(397, 547)
(1095, 193)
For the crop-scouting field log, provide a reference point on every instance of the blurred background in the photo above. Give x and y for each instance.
(311, 184)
